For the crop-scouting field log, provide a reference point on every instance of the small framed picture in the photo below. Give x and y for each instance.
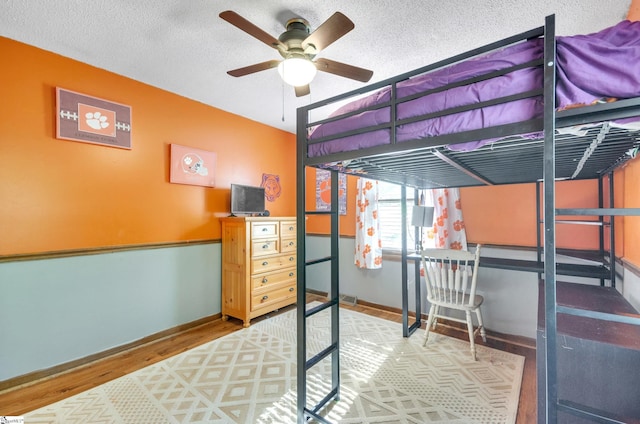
(192, 166)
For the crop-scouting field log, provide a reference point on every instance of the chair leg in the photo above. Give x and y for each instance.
(470, 328)
(483, 333)
(435, 317)
(432, 317)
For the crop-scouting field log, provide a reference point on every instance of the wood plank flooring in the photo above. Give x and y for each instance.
(20, 400)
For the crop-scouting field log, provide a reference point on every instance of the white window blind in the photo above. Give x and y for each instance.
(390, 215)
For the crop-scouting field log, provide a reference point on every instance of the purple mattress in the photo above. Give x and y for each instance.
(591, 68)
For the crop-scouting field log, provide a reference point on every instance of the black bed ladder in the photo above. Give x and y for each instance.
(305, 413)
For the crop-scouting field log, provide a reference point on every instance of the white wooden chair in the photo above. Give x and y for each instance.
(451, 277)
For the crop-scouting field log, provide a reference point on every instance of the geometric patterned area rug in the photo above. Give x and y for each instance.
(250, 377)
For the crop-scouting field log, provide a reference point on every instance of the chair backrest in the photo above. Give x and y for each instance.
(450, 274)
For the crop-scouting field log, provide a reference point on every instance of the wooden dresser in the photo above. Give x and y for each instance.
(258, 265)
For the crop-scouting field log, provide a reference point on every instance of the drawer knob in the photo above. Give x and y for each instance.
(265, 297)
(264, 229)
(291, 289)
(291, 258)
(264, 280)
(265, 246)
(291, 243)
(290, 228)
(265, 263)
(291, 274)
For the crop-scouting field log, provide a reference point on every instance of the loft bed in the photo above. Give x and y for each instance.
(532, 108)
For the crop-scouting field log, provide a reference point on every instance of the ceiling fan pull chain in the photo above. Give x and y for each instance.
(282, 101)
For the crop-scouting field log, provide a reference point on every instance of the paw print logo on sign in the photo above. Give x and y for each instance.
(96, 120)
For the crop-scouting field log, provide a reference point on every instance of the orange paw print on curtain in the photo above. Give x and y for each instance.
(363, 205)
(371, 231)
(378, 260)
(456, 245)
(366, 251)
(458, 205)
(458, 225)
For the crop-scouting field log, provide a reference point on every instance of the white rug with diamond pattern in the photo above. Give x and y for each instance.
(250, 377)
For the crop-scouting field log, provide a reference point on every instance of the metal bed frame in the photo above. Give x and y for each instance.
(426, 163)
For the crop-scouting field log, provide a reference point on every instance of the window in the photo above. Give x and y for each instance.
(390, 216)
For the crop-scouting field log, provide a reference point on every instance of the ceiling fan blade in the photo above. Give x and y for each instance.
(302, 90)
(263, 66)
(234, 19)
(343, 70)
(329, 31)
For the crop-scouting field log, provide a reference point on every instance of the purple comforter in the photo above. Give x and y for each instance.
(591, 68)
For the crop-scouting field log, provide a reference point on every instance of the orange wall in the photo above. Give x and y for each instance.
(507, 214)
(634, 11)
(57, 194)
(501, 215)
(632, 200)
(631, 190)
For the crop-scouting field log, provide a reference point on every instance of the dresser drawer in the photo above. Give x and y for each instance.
(288, 229)
(264, 229)
(272, 263)
(270, 297)
(264, 247)
(266, 281)
(288, 245)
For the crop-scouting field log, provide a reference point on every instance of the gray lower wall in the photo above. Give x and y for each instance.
(631, 288)
(511, 297)
(58, 310)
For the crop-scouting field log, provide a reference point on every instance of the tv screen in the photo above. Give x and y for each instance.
(247, 199)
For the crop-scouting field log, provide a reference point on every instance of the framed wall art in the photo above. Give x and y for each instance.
(88, 119)
(272, 187)
(192, 166)
(323, 191)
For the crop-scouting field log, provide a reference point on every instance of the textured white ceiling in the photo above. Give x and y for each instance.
(184, 47)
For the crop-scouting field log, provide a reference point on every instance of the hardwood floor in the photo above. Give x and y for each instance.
(20, 400)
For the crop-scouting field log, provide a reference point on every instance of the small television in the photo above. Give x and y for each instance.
(247, 200)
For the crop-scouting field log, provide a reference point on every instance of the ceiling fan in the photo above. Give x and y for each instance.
(299, 46)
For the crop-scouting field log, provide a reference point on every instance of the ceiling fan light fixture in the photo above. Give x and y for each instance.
(297, 71)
